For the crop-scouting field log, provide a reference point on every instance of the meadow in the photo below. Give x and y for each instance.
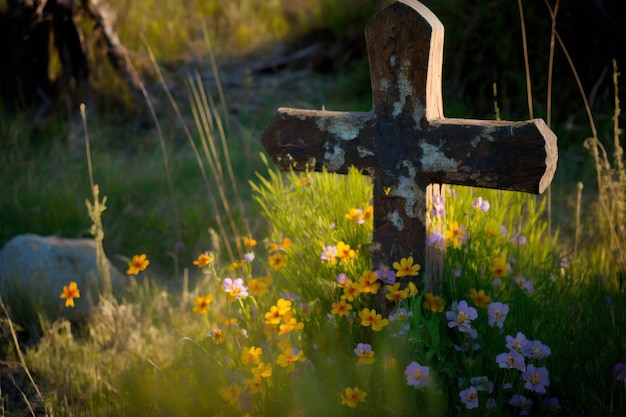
(251, 291)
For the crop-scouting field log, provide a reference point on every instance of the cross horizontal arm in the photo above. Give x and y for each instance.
(517, 156)
(313, 139)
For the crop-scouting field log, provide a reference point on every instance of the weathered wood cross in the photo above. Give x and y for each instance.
(405, 143)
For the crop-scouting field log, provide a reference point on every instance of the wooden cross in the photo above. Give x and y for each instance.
(405, 143)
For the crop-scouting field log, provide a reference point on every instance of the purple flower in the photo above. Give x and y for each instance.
(497, 314)
(517, 343)
(522, 402)
(620, 371)
(482, 383)
(481, 205)
(536, 350)
(511, 360)
(525, 284)
(468, 346)
(248, 257)
(536, 379)
(461, 316)
(387, 276)
(553, 403)
(439, 206)
(235, 287)
(436, 240)
(362, 349)
(342, 280)
(417, 376)
(469, 397)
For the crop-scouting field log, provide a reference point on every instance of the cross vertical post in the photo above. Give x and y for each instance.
(405, 143)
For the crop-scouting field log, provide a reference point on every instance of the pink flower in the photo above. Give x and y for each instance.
(235, 288)
(439, 206)
(329, 254)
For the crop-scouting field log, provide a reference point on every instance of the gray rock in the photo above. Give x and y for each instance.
(34, 269)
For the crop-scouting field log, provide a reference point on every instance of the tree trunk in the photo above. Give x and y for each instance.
(28, 29)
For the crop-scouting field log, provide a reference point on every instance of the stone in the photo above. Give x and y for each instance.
(34, 269)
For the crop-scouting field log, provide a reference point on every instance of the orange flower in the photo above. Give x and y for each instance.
(433, 302)
(201, 304)
(137, 264)
(259, 286)
(277, 261)
(69, 293)
(204, 259)
(249, 242)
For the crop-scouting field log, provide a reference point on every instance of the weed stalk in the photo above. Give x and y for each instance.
(95, 211)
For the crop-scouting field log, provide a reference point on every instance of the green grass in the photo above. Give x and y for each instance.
(148, 353)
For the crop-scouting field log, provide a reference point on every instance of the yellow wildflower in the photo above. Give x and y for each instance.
(231, 393)
(344, 253)
(395, 294)
(480, 298)
(406, 268)
(371, 318)
(498, 268)
(368, 282)
(455, 235)
(353, 396)
(341, 308)
(251, 355)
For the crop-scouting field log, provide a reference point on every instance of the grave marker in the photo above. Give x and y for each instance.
(405, 143)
